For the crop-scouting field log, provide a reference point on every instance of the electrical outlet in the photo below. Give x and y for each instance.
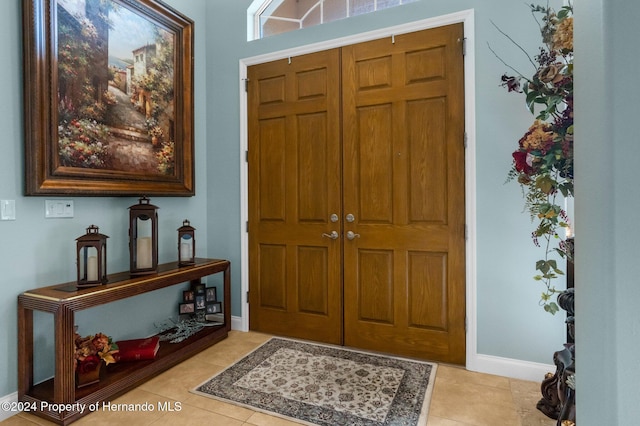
(7, 209)
(54, 209)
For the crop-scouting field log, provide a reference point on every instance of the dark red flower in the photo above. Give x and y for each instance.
(520, 160)
(90, 363)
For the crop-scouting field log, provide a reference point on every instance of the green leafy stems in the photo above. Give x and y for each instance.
(543, 162)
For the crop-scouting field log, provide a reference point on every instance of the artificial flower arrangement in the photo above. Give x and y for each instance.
(91, 351)
(543, 162)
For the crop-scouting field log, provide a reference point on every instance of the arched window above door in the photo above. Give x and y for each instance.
(270, 17)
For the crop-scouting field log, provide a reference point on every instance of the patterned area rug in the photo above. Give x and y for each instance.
(326, 385)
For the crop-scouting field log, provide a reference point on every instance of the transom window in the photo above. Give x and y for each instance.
(269, 17)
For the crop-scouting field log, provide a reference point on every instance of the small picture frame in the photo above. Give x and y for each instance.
(198, 289)
(186, 308)
(211, 294)
(188, 296)
(214, 308)
(200, 302)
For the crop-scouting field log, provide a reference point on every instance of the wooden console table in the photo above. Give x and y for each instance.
(63, 300)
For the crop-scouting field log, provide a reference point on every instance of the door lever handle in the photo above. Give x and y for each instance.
(334, 235)
(352, 235)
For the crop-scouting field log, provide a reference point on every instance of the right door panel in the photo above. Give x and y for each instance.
(403, 182)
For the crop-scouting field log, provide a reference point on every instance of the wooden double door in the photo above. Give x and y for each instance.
(356, 196)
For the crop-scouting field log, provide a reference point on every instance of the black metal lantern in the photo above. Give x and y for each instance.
(92, 258)
(186, 244)
(143, 238)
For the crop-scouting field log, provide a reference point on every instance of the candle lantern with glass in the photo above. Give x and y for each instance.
(186, 244)
(143, 238)
(91, 258)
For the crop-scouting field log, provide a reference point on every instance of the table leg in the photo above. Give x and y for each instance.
(64, 381)
(227, 296)
(25, 349)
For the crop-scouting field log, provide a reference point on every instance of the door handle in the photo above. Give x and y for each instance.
(334, 235)
(352, 235)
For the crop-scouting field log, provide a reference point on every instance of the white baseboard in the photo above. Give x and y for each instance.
(10, 399)
(237, 324)
(509, 367)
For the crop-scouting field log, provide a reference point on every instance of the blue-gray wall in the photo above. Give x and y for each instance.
(608, 199)
(37, 252)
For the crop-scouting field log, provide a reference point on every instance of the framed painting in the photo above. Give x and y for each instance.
(108, 98)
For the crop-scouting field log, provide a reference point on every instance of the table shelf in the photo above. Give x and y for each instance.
(63, 300)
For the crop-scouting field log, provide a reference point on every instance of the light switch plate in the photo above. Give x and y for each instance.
(54, 209)
(8, 209)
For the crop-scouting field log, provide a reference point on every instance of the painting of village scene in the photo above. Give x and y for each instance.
(115, 90)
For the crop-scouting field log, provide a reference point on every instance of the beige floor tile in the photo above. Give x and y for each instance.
(525, 396)
(478, 405)
(439, 421)
(195, 416)
(460, 397)
(34, 420)
(231, 349)
(261, 419)
(21, 420)
(224, 408)
(251, 336)
(536, 418)
(136, 407)
(176, 382)
(453, 374)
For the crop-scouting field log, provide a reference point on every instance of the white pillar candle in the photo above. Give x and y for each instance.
(143, 251)
(92, 268)
(185, 252)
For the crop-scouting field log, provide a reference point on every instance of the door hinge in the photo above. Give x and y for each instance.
(465, 140)
(247, 297)
(246, 85)
(464, 46)
(246, 226)
(246, 156)
(466, 232)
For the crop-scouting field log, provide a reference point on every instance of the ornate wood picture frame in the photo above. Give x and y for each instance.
(108, 98)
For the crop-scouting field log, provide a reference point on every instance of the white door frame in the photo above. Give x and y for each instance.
(466, 17)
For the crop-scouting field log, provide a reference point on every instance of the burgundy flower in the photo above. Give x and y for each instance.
(511, 83)
(520, 160)
(90, 363)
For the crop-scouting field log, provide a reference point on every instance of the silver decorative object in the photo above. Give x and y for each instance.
(176, 331)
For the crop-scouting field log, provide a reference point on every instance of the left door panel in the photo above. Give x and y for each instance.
(294, 189)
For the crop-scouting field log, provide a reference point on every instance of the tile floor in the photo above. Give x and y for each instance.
(460, 397)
